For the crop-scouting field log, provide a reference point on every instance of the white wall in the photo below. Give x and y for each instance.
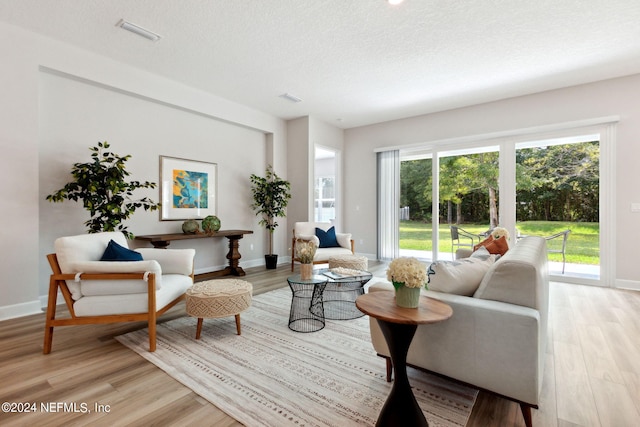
(75, 115)
(299, 161)
(59, 100)
(608, 98)
(303, 135)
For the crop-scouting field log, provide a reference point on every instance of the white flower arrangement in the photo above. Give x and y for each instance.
(500, 232)
(407, 271)
(305, 251)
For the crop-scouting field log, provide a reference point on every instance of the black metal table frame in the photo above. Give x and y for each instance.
(321, 297)
(307, 306)
(340, 295)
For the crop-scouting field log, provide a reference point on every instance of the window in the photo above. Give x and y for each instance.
(326, 195)
(537, 182)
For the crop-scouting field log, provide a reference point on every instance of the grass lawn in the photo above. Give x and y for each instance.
(582, 245)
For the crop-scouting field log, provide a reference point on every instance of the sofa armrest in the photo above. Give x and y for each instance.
(344, 240)
(172, 261)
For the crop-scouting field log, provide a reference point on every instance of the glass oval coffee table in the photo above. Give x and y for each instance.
(340, 294)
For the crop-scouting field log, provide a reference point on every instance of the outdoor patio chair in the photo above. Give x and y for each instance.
(565, 235)
(458, 233)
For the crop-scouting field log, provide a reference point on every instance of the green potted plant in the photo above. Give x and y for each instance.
(271, 195)
(104, 191)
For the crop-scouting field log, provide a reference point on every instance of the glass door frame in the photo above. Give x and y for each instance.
(337, 221)
(507, 185)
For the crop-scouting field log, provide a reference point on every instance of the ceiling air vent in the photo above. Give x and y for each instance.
(290, 97)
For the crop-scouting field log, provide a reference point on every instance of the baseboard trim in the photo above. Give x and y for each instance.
(632, 285)
(258, 262)
(20, 310)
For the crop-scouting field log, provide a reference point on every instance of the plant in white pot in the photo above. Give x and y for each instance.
(102, 187)
(271, 195)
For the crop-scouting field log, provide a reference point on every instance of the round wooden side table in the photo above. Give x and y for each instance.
(398, 326)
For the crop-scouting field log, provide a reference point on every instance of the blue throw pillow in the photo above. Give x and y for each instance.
(327, 238)
(116, 252)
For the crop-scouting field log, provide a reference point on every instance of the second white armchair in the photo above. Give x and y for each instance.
(323, 234)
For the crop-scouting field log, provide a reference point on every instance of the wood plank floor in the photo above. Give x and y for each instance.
(592, 373)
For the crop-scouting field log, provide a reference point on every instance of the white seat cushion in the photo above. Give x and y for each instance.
(173, 286)
(323, 254)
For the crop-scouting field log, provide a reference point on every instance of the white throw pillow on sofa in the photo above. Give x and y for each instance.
(460, 277)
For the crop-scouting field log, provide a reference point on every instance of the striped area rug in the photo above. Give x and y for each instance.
(272, 376)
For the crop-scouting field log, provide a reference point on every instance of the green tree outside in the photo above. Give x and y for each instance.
(557, 188)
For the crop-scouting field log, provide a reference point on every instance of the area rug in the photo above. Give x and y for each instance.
(273, 376)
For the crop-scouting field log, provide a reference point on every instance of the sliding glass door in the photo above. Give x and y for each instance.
(416, 207)
(556, 186)
(558, 197)
(468, 197)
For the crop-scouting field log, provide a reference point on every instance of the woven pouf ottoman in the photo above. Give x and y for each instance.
(218, 298)
(354, 262)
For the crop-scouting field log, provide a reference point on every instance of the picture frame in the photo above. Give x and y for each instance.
(188, 188)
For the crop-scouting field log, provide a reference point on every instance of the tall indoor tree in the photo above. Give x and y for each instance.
(271, 195)
(102, 186)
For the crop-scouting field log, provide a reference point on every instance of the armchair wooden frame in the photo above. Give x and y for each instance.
(57, 282)
(293, 250)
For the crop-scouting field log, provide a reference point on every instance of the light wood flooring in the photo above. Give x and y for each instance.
(592, 373)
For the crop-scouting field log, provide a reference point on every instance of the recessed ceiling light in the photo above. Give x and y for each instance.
(395, 2)
(290, 97)
(125, 25)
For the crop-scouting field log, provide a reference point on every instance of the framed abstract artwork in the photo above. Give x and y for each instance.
(187, 188)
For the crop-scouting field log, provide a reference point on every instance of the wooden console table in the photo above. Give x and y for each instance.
(233, 269)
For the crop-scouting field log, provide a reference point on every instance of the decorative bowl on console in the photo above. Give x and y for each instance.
(210, 224)
(190, 226)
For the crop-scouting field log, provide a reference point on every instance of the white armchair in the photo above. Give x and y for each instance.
(307, 231)
(98, 291)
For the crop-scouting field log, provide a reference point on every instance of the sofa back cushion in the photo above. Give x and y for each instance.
(307, 229)
(520, 277)
(460, 277)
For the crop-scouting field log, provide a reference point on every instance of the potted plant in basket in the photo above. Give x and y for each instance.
(104, 191)
(305, 251)
(271, 195)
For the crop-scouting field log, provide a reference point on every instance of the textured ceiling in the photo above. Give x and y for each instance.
(354, 62)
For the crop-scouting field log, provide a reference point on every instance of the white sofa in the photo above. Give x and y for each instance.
(307, 231)
(114, 291)
(496, 339)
